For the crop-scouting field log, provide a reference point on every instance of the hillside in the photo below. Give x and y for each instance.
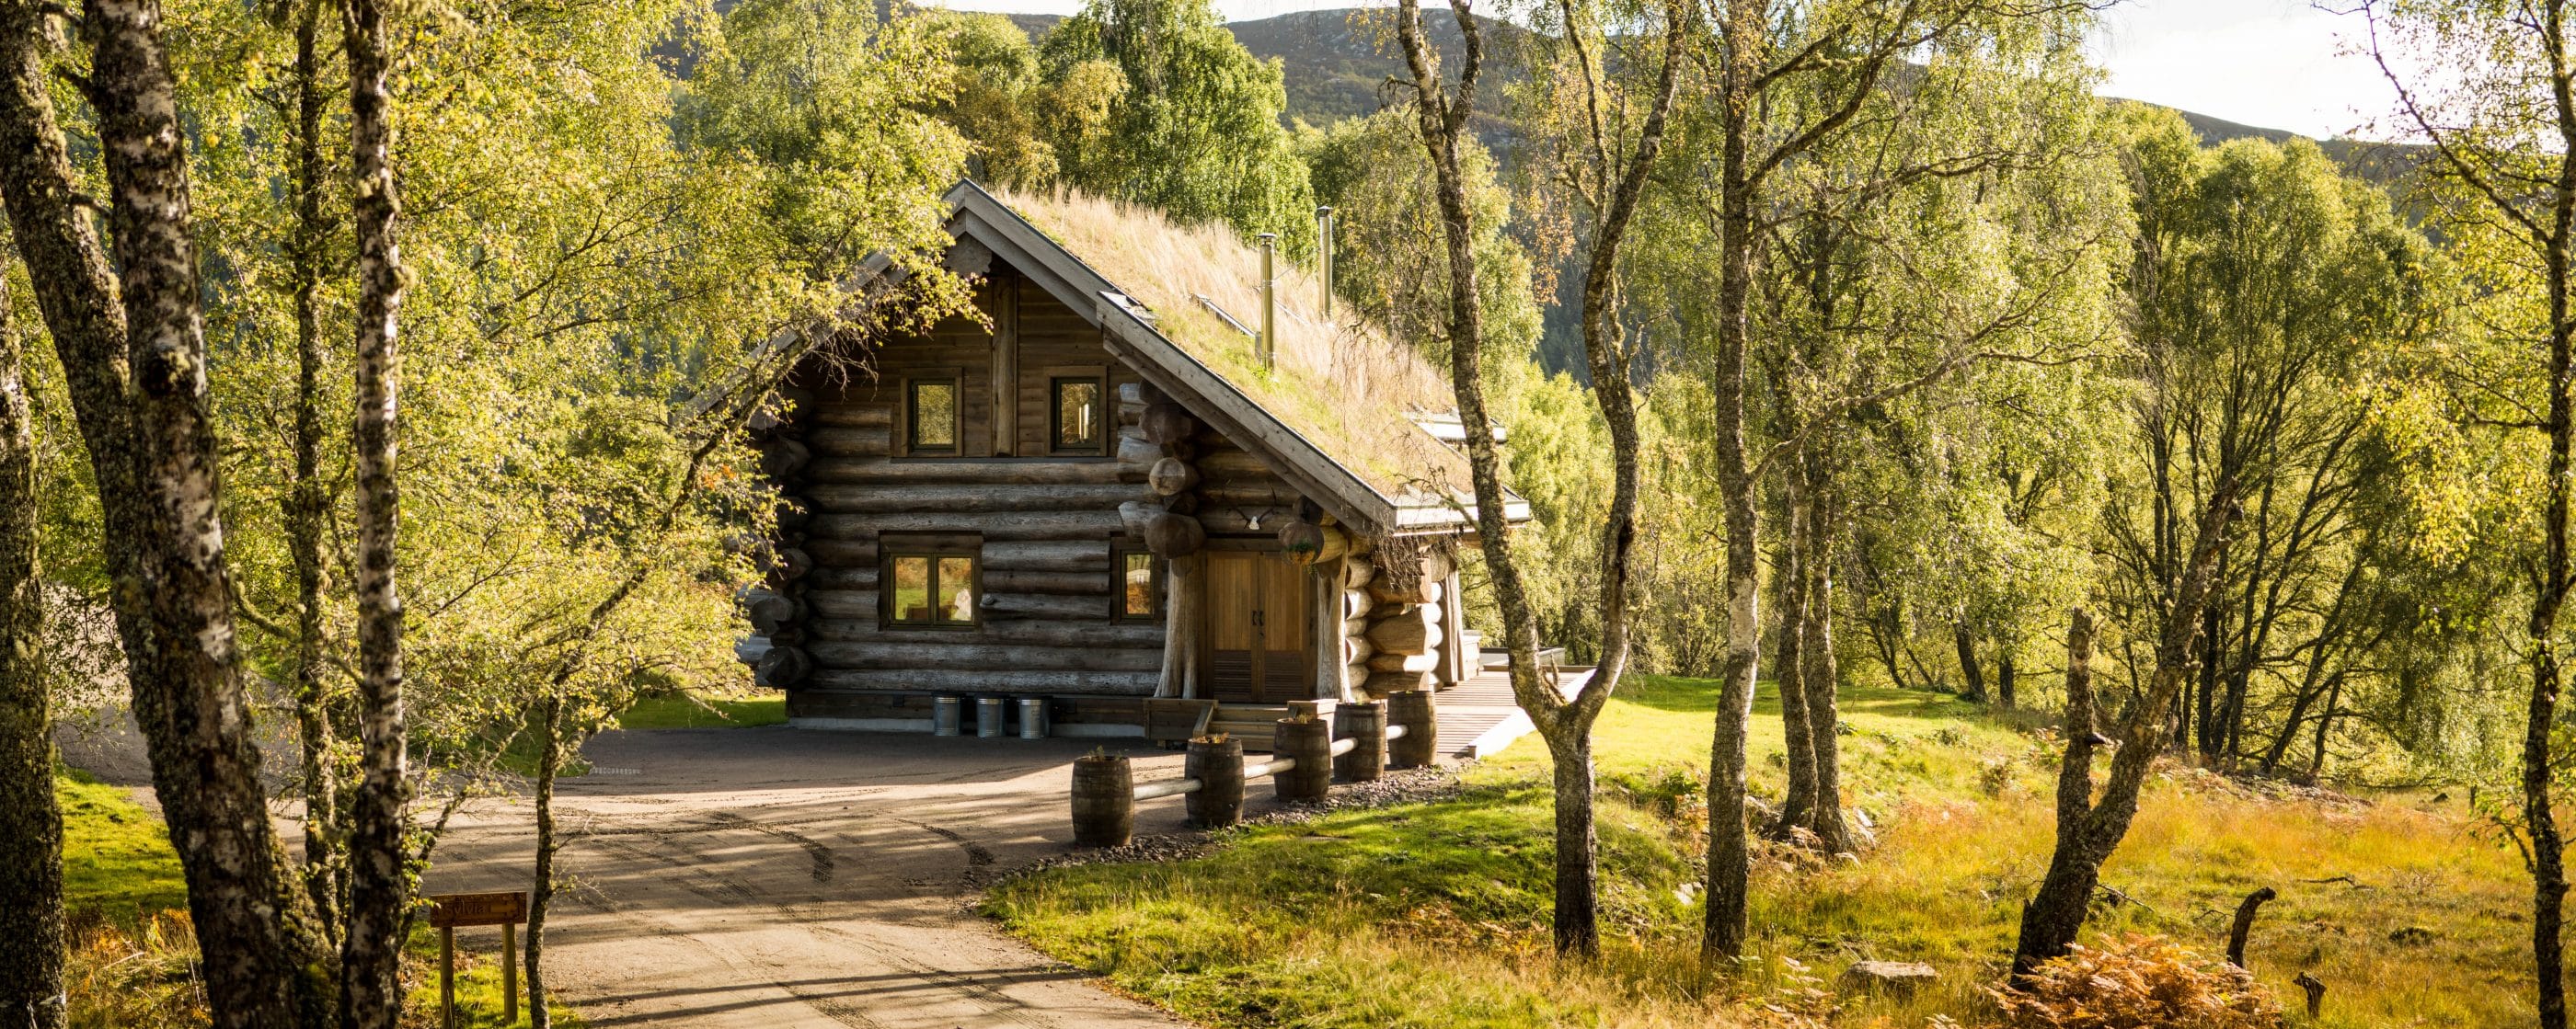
(1338, 68)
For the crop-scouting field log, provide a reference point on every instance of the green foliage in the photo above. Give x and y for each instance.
(1190, 120)
(819, 101)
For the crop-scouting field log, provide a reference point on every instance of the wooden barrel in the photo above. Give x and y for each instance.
(1419, 747)
(1311, 744)
(1363, 723)
(1217, 763)
(1104, 801)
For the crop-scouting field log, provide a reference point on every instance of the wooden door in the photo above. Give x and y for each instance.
(1257, 628)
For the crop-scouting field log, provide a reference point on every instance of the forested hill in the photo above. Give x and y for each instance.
(1337, 69)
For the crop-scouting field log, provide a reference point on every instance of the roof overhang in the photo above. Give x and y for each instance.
(1130, 332)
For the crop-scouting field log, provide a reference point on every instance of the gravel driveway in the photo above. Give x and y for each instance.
(783, 879)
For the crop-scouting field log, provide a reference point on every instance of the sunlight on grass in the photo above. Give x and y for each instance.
(1436, 914)
(117, 862)
(689, 711)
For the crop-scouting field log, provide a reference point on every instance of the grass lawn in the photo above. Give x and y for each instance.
(689, 711)
(1436, 914)
(133, 947)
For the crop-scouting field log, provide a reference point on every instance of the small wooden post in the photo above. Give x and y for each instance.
(1104, 801)
(1309, 741)
(509, 974)
(1217, 763)
(447, 977)
(2316, 989)
(1364, 724)
(2245, 924)
(505, 909)
(1419, 747)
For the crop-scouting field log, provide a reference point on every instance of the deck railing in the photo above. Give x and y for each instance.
(1307, 753)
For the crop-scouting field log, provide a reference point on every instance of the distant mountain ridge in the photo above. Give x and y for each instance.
(1335, 70)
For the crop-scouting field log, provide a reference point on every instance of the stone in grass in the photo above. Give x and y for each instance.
(1899, 978)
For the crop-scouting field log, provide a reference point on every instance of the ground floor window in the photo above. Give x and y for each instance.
(1139, 588)
(930, 583)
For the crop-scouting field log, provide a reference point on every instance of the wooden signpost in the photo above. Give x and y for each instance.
(505, 909)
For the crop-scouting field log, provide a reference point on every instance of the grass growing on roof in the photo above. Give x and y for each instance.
(1340, 383)
(1436, 914)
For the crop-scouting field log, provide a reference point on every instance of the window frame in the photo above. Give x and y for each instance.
(1119, 552)
(932, 549)
(911, 421)
(1057, 379)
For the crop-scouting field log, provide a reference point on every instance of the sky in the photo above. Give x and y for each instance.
(2278, 64)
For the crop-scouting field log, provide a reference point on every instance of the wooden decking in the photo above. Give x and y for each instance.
(1479, 718)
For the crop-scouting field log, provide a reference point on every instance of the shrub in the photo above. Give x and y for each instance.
(2137, 982)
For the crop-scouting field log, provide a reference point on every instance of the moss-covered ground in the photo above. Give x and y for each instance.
(1437, 914)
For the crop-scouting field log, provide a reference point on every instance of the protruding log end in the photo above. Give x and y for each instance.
(1171, 535)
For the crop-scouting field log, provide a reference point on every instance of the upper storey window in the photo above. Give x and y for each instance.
(930, 416)
(1079, 424)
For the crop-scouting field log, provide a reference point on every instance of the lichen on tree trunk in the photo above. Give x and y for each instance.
(31, 825)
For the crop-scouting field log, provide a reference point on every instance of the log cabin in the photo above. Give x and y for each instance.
(1110, 488)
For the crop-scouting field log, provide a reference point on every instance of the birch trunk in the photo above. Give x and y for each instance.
(379, 887)
(133, 352)
(1729, 859)
(1444, 114)
(1823, 676)
(2089, 830)
(31, 825)
(309, 503)
(1797, 809)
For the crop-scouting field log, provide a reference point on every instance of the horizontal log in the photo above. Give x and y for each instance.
(1384, 662)
(780, 458)
(1414, 632)
(854, 604)
(1137, 514)
(782, 667)
(1136, 454)
(1251, 493)
(845, 577)
(842, 553)
(1356, 572)
(1307, 542)
(1168, 423)
(1378, 684)
(1357, 650)
(1356, 674)
(1008, 525)
(1036, 473)
(1087, 633)
(967, 653)
(1071, 584)
(954, 681)
(875, 441)
(1002, 606)
(1171, 475)
(1355, 626)
(838, 498)
(1356, 605)
(1400, 590)
(1174, 536)
(851, 416)
(1048, 556)
(1230, 463)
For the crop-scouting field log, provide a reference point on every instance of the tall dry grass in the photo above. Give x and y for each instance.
(1339, 380)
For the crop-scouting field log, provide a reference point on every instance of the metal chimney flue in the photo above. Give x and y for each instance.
(1269, 349)
(1324, 251)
